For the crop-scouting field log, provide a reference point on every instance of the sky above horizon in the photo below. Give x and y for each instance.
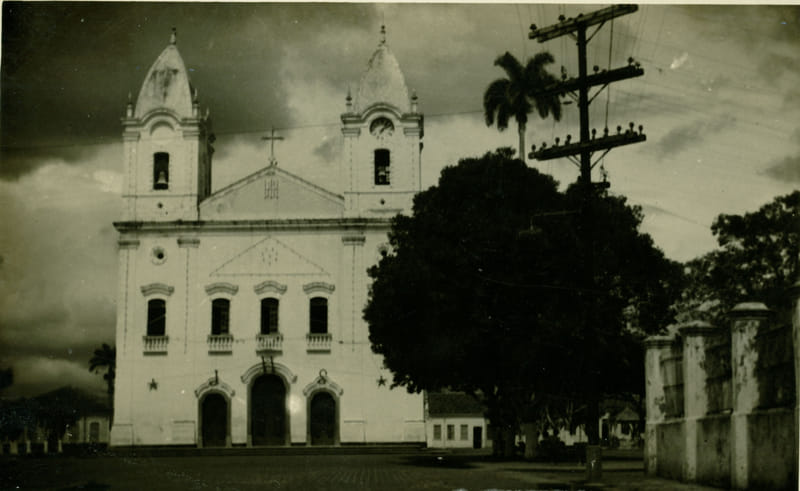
(719, 102)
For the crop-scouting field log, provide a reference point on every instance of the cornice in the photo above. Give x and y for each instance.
(270, 286)
(198, 226)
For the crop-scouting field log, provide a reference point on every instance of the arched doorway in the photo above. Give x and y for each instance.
(268, 411)
(322, 419)
(214, 420)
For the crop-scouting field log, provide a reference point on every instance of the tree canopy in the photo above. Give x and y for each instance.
(483, 291)
(757, 260)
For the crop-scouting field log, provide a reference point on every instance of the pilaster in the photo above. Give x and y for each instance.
(747, 320)
(655, 348)
(695, 400)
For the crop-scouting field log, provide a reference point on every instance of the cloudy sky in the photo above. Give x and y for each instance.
(719, 101)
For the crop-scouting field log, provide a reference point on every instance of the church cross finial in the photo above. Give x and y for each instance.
(271, 139)
(173, 38)
(383, 34)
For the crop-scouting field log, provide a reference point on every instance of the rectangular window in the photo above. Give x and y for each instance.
(161, 170)
(451, 432)
(437, 432)
(464, 432)
(381, 167)
(156, 317)
(319, 316)
(220, 316)
(269, 315)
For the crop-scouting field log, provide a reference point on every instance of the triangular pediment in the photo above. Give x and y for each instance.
(271, 193)
(269, 257)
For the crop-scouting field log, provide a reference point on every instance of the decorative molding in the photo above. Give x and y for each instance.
(221, 287)
(354, 240)
(188, 242)
(323, 382)
(213, 384)
(157, 289)
(128, 243)
(270, 286)
(750, 310)
(268, 366)
(318, 286)
(659, 341)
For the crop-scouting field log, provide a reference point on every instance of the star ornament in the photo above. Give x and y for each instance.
(381, 381)
(153, 384)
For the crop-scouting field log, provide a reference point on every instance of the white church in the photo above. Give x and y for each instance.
(239, 313)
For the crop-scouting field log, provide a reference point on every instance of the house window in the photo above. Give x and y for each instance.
(437, 432)
(156, 317)
(464, 430)
(269, 315)
(451, 432)
(220, 315)
(319, 316)
(161, 170)
(381, 167)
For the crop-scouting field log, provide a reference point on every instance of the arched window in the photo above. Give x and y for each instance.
(319, 315)
(269, 315)
(220, 316)
(381, 167)
(156, 317)
(160, 170)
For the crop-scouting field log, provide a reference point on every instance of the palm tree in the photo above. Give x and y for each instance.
(106, 356)
(520, 94)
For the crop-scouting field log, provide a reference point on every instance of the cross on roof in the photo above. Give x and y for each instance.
(271, 138)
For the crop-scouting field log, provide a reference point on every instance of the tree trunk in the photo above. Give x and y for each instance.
(521, 129)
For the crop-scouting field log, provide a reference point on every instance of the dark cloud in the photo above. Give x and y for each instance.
(68, 66)
(786, 170)
(685, 136)
(15, 162)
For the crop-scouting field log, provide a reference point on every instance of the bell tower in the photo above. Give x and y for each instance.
(167, 145)
(383, 132)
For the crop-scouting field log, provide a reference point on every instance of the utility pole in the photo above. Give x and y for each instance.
(588, 143)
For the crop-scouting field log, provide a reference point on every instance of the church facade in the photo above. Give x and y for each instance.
(239, 313)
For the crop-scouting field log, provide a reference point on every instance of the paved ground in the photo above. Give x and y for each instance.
(413, 471)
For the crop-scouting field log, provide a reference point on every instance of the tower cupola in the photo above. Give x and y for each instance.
(383, 131)
(166, 86)
(382, 81)
(168, 145)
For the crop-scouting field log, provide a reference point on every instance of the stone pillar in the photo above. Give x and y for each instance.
(655, 347)
(747, 320)
(695, 397)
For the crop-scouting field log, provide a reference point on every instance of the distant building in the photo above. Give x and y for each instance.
(455, 420)
(239, 313)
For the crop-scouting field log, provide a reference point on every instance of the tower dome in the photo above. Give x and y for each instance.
(166, 85)
(383, 81)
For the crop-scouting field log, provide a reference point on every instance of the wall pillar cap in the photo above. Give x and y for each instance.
(750, 309)
(659, 341)
(696, 328)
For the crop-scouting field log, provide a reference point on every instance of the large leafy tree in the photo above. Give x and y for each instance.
(105, 357)
(483, 291)
(520, 94)
(757, 260)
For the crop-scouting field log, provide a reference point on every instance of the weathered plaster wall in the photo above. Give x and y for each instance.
(771, 450)
(713, 450)
(670, 437)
